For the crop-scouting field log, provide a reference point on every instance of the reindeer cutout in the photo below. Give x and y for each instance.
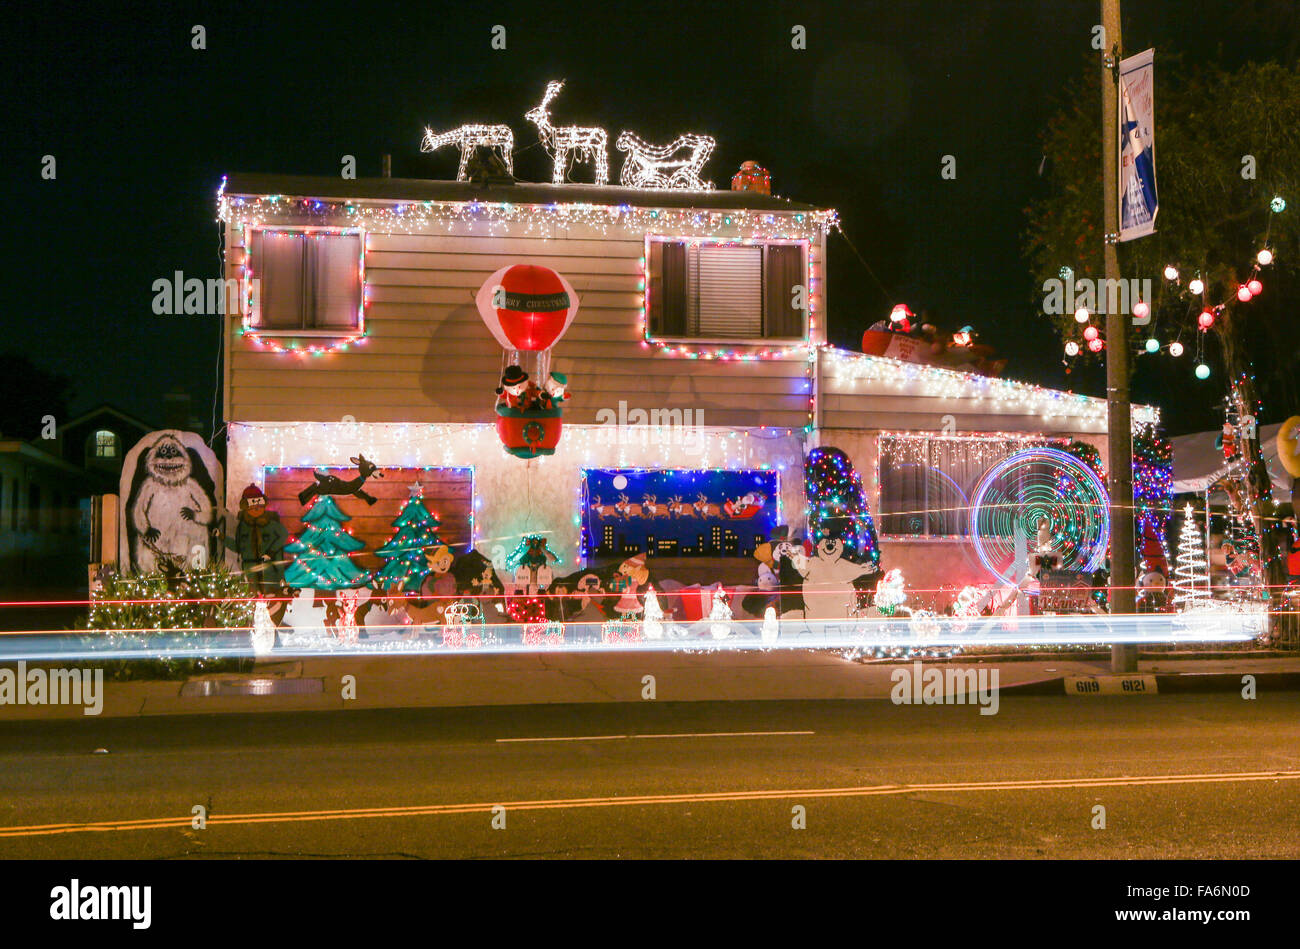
(652, 508)
(653, 166)
(705, 508)
(602, 510)
(584, 144)
(624, 508)
(470, 137)
(677, 507)
(332, 484)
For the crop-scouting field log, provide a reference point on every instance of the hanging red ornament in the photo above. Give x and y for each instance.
(1090, 334)
(1095, 345)
(1243, 293)
(1255, 288)
(1205, 320)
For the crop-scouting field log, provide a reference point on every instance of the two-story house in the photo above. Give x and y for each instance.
(697, 364)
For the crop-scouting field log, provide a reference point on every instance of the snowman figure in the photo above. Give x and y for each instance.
(720, 615)
(828, 591)
(263, 632)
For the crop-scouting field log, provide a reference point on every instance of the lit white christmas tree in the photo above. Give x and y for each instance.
(1192, 586)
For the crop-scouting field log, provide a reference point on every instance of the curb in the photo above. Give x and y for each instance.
(1169, 683)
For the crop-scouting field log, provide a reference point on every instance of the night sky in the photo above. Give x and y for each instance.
(142, 127)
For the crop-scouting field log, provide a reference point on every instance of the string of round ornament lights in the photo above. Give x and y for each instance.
(1196, 288)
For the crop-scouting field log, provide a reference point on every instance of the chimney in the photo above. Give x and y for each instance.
(387, 165)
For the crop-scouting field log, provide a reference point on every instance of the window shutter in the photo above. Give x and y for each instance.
(784, 273)
(335, 280)
(727, 292)
(667, 288)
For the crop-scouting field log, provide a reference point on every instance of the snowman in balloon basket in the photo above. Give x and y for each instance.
(528, 308)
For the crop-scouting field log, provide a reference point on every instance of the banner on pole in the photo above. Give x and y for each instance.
(1137, 147)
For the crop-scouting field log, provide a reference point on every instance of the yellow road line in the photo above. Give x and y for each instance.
(425, 810)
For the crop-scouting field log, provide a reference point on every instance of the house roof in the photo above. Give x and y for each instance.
(917, 379)
(421, 189)
(105, 409)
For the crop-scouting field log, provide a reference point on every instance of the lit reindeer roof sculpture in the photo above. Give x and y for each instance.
(583, 144)
(469, 137)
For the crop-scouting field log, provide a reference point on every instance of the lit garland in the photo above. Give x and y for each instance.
(847, 369)
(739, 352)
(263, 337)
(920, 448)
(541, 220)
(255, 448)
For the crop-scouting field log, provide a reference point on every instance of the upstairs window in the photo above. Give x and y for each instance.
(305, 281)
(105, 444)
(721, 291)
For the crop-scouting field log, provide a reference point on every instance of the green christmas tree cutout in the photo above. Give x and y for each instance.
(323, 558)
(414, 529)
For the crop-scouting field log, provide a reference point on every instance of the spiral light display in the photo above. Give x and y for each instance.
(1037, 483)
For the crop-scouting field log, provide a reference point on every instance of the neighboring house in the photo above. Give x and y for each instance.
(689, 353)
(98, 441)
(44, 537)
(46, 486)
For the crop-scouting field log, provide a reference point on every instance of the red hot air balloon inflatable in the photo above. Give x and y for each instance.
(527, 308)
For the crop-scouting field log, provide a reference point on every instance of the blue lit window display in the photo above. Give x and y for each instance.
(677, 513)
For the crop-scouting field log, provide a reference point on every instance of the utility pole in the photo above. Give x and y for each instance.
(1123, 658)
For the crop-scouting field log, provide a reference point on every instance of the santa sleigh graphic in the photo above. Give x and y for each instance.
(745, 506)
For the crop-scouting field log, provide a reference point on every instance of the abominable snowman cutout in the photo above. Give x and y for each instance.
(828, 591)
(169, 487)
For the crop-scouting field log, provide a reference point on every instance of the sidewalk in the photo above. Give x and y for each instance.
(398, 681)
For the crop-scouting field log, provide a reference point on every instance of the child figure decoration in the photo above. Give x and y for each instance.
(632, 573)
(259, 540)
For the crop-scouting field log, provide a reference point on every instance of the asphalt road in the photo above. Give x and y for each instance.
(1179, 776)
